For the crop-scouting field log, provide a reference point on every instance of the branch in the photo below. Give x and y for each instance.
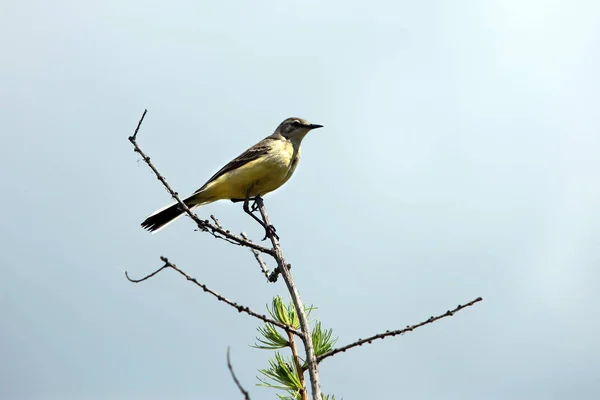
(204, 225)
(235, 305)
(410, 328)
(147, 276)
(299, 369)
(271, 276)
(235, 379)
(137, 128)
(283, 268)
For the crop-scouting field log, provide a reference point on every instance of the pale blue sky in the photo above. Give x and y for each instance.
(460, 158)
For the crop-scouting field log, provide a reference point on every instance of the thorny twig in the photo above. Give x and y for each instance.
(240, 308)
(410, 328)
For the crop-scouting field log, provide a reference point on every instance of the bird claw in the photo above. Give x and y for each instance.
(270, 231)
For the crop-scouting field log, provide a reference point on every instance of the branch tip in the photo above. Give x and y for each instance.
(409, 328)
(147, 276)
(239, 307)
(133, 138)
(235, 379)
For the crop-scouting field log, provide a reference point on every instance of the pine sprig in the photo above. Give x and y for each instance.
(283, 374)
(271, 339)
(322, 340)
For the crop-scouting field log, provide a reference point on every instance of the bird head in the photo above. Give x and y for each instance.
(294, 129)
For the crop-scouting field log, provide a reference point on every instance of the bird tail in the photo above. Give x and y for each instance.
(164, 216)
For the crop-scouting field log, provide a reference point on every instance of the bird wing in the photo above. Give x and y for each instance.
(259, 149)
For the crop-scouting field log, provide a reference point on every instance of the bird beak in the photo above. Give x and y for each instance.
(314, 126)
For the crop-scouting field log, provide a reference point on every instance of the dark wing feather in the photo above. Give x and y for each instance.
(254, 152)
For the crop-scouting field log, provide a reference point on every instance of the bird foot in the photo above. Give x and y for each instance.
(270, 231)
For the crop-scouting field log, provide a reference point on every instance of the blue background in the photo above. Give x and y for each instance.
(459, 159)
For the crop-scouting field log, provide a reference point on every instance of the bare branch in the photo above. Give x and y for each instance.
(283, 268)
(410, 328)
(147, 276)
(271, 276)
(204, 225)
(235, 379)
(137, 128)
(239, 307)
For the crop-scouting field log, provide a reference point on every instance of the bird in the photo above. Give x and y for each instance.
(261, 169)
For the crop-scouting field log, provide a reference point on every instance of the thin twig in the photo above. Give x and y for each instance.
(235, 379)
(204, 225)
(311, 358)
(137, 128)
(239, 307)
(410, 328)
(147, 276)
(263, 265)
(298, 366)
(216, 221)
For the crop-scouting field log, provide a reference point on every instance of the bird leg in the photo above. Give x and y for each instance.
(255, 207)
(269, 229)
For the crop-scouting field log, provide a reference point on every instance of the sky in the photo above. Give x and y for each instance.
(459, 158)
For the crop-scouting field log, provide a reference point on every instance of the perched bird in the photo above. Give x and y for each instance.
(259, 170)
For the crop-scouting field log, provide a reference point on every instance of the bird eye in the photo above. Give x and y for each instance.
(296, 123)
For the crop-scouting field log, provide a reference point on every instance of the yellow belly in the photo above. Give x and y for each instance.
(257, 177)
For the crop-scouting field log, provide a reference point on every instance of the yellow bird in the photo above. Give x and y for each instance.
(259, 170)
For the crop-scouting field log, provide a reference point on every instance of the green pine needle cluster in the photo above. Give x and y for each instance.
(282, 373)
